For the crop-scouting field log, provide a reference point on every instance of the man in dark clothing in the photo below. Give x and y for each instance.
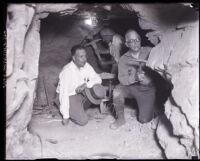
(114, 42)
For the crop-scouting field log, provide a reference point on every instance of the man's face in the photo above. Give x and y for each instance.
(80, 57)
(107, 38)
(133, 42)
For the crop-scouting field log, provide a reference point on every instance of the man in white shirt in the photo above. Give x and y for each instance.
(74, 78)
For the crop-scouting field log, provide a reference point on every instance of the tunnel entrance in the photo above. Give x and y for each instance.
(36, 131)
(58, 34)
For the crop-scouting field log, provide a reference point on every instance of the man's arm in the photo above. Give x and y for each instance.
(93, 77)
(116, 47)
(97, 51)
(80, 88)
(126, 74)
(104, 63)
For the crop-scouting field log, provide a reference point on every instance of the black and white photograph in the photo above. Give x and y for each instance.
(101, 80)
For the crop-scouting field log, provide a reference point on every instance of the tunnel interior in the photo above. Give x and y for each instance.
(60, 32)
(45, 33)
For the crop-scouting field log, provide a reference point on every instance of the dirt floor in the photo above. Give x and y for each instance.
(94, 140)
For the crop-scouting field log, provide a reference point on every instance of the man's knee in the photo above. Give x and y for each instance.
(116, 93)
(83, 122)
(80, 122)
(146, 110)
(118, 97)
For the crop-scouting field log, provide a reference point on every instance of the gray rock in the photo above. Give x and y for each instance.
(170, 144)
(23, 72)
(175, 56)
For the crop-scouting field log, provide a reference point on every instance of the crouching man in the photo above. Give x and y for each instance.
(135, 81)
(79, 86)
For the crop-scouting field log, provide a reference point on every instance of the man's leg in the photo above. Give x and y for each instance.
(76, 111)
(146, 103)
(114, 70)
(119, 94)
(85, 100)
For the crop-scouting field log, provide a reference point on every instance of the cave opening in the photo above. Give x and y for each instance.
(40, 36)
(58, 34)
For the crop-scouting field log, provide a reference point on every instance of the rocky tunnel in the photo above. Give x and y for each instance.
(39, 39)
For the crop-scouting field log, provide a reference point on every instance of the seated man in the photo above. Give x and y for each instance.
(135, 81)
(114, 42)
(76, 83)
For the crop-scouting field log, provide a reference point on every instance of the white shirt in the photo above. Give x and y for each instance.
(70, 78)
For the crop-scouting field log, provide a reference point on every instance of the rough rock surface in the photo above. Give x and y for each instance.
(170, 144)
(176, 58)
(21, 77)
(64, 8)
(180, 51)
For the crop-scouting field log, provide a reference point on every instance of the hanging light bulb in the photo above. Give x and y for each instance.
(88, 21)
(91, 19)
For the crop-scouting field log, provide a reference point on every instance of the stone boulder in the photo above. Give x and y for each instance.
(23, 54)
(175, 57)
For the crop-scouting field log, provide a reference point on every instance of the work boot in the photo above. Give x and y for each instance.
(120, 119)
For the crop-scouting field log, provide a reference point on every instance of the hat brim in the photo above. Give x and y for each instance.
(91, 98)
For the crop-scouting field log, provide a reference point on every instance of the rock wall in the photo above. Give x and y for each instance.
(23, 50)
(182, 68)
(176, 57)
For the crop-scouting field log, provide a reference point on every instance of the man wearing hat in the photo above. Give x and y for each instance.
(135, 81)
(114, 42)
(79, 86)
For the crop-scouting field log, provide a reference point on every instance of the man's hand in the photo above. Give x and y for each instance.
(65, 121)
(80, 88)
(141, 60)
(132, 79)
(143, 78)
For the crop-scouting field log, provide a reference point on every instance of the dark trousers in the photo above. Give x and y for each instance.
(143, 94)
(77, 105)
